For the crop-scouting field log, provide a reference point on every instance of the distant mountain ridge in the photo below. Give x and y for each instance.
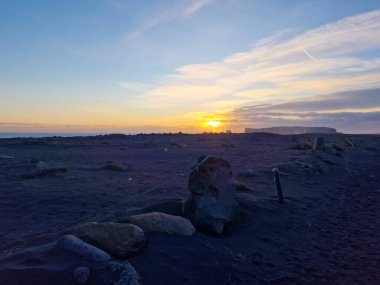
(292, 130)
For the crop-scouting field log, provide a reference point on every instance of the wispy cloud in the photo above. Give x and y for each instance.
(135, 87)
(165, 14)
(196, 6)
(154, 127)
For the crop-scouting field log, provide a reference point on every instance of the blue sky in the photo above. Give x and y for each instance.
(114, 65)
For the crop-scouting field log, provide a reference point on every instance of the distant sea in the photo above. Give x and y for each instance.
(42, 135)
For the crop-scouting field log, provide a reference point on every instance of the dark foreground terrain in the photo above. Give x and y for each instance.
(326, 232)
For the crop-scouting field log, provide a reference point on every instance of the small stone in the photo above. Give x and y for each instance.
(113, 166)
(302, 146)
(127, 274)
(227, 145)
(81, 275)
(164, 223)
(90, 253)
(3, 156)
(177, 145)
(323, 167)
(44, 168)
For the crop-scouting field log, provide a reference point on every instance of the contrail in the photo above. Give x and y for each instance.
(308, 54)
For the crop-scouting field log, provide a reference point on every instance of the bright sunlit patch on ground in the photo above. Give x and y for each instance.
(214, 124)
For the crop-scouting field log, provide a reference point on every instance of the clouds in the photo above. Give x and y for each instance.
(351, 111)
(344, 37)
(337, 57)
(325, 54)
(353, 99)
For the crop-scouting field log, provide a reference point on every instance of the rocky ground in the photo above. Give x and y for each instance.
(326, 232)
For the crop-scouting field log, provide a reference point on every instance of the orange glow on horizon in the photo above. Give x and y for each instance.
(214, 124)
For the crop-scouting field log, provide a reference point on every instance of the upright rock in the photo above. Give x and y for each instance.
(212, 201)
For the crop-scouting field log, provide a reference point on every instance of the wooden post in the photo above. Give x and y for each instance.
(319, 143)
(276, 176)
(348, 142)
(347, 148)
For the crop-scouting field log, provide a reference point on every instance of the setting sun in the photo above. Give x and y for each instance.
(214, 124)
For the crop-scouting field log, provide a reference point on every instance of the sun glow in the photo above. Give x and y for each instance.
(214, 124)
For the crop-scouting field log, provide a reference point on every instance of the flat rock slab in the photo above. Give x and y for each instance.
(163, 223)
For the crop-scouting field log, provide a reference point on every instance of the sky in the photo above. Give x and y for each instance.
(188, 65)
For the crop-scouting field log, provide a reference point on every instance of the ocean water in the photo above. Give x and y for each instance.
(42, 135)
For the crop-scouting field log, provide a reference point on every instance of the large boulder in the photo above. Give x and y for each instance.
(80, 248)
(119, 240)
(212, 202)
(164, 223)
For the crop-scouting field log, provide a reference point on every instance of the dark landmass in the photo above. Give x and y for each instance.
(293, 130)
(326, 232)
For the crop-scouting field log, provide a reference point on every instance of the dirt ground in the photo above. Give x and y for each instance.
(326, 232)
